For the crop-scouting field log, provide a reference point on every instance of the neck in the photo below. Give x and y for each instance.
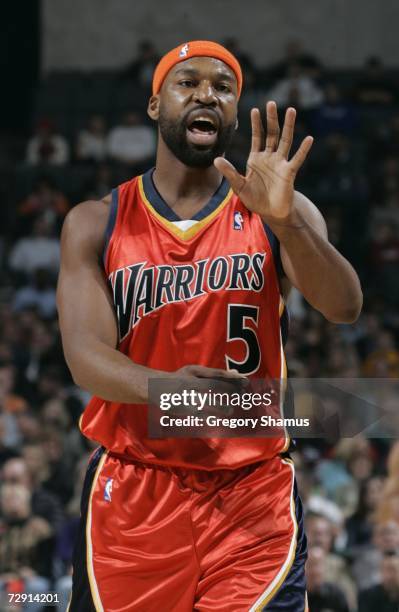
(195, 185)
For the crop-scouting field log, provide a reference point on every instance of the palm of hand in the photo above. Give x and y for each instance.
(268, 186)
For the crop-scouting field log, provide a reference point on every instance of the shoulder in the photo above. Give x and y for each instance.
(87, 223)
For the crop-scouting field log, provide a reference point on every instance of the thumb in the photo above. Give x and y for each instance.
(235, 179)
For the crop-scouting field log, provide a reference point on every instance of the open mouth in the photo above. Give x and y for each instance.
(202, 125)
(202, 130)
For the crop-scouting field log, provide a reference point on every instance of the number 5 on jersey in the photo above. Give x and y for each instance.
(238, 316)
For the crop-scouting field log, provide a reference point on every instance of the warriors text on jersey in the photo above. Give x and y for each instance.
(203, 292)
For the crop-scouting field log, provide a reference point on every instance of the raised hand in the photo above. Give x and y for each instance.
(268, 186)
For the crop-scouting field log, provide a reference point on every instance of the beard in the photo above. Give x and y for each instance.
(195, 156)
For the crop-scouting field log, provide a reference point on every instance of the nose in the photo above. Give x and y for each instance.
(205, 94)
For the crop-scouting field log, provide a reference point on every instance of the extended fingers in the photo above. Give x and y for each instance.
(300, 156)
(288, 132)
(258, 132)
(273, 128)
(230, 173)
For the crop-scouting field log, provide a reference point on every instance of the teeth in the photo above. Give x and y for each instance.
(204, 119)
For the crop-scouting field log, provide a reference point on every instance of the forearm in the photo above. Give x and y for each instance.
(323, 276)
(108, 373)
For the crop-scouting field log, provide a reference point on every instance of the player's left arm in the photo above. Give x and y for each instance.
(311, 263)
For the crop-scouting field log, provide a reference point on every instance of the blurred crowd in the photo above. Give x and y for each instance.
(350, 487)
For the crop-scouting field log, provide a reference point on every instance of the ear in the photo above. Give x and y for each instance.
(153, 108)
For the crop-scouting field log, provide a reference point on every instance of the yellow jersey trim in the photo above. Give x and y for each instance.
(272, 589)
(89, 546)
(283, 378)
(192, 231)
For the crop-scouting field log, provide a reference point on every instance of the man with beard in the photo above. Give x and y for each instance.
(180, 272)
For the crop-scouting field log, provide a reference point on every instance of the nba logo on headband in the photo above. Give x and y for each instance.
(183, 51)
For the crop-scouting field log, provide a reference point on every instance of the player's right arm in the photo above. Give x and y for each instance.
(87, 318)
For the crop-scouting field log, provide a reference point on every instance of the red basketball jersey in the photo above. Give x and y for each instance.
(206, 295)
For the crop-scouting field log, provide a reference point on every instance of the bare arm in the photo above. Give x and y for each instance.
(323, 276)
(312, 264)
(87, 318)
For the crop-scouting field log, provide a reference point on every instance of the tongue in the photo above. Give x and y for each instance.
(200, 138)
(197, 130)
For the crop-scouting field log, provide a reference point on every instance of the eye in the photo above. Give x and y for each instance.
(187, 83)
(223, 87)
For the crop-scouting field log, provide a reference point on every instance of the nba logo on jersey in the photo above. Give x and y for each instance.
(108, 490)
(183, 51)
(238, 220)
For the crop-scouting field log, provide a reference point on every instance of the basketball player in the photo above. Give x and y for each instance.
(180, 272)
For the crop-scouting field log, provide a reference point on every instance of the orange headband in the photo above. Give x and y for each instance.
(195, 48)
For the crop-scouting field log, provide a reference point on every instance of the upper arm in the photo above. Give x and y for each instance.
(311, 214)
(84, 302)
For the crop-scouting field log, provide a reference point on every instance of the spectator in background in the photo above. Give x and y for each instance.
(323, 593)
(375, 88)
(334, 115)
(47, 146)
(50, 381)
(333, 473)
(344, 181)
(384, 256)
(39, 295)
(366, 565)
(101, 184)
(26, 321)
(44, 504)
(384, 174)
(369, 328)
(247, 65)
(294, 54)
(360, 459)
(69, 529)
(91, 143)
(29, 426)
(68, 533)
(387, 509)
(383, 141)
(141, 69)
(359, 526)
(297, 89)
(5, 451)
(386, 213)
(41, 250)
(60, 464)
(383, 362)
(349, 464)
(26, 542)
(10, 405)
(45, 199)
(37, 463)
(42, 366)
(321, 532)
(384, 597)
(132, 142)
(54, 414)
(63, 587)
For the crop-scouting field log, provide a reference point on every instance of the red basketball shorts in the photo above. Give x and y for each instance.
(157, 539)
